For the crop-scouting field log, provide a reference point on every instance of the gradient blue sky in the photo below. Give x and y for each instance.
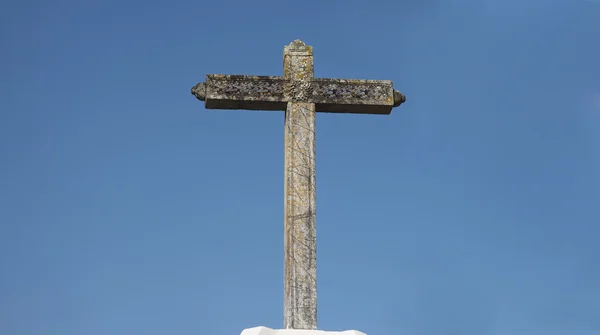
(127, 208)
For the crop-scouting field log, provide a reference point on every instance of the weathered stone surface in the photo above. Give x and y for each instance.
(269, 331)
(273, 93)
(353, 96)
(244, 92)
(300, 258)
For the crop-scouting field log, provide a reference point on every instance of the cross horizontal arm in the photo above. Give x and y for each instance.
(241, 92)
(273, 93)
(354, 96)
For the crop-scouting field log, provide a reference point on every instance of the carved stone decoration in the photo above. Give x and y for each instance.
(272, 93)
(298, 91)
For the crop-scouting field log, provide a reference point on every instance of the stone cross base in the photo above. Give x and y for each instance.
(269, 331)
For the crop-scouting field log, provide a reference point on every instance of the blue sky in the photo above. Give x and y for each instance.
(127, 208)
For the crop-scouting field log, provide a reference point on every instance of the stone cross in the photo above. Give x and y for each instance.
(300, 95)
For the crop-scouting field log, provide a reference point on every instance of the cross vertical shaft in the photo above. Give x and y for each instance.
(300, 260)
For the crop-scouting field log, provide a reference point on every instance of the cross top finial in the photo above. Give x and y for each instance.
(297, 46)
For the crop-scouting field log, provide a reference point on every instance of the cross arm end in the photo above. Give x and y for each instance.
(399, 98)
(199, 91)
